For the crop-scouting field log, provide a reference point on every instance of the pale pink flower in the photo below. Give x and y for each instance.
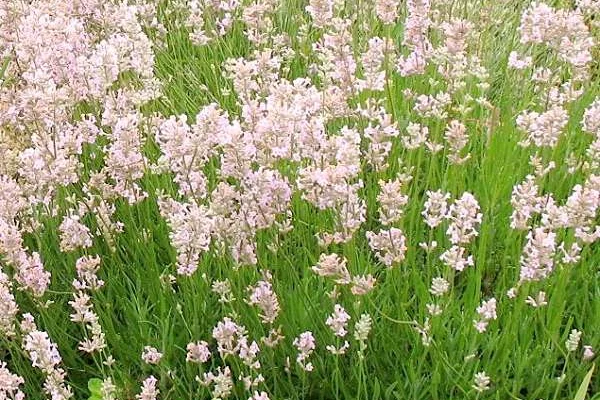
(538, 301)
(227, 333)
(435, 208)
(391, 201)
(248, 352)
(190, 234)
(362, 328)
(457, 138)
(591, 118)
(87, 269)
(149, 390)
(8, 306)
(222, 381)
(525, 202)
(321, 11)
(481, 382)
(572, 343)
(12, 200)
(389, 245)
(416, 136)
(537, 259)
(223, 289)
(439, 286)
(563, 30)
(9, 384)
(457, 258)
(197, 352)
(338, 321)
(305, 343)
(433, 106)
(486, 312)
(336, 351)
(543, 130)
(151, 355)
(387, 10)
(362, 284)
(333, 266)
(514, 61)
(263, 296)
(456, 33)
(259, 396)
(82, 306)
(372, 62)
(44, 355)
(433, 309)
(465, 216)
(417, 22)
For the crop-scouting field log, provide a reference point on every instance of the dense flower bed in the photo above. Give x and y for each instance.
(283, 199)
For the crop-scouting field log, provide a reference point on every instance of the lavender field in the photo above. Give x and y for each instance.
(286, 200)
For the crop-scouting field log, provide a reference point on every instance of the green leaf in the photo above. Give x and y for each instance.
(95, 387)
(376, 394)
(3, 67)
(581, 392)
